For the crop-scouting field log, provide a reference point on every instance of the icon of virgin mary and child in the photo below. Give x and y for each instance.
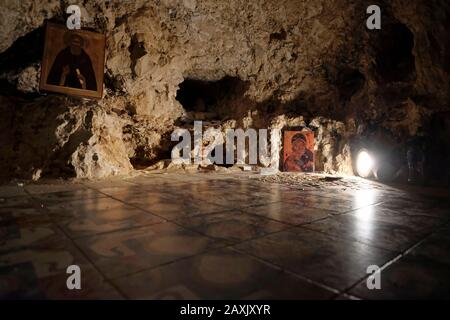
(299, 158)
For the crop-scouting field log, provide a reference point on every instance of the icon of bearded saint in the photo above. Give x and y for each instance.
(72, 66)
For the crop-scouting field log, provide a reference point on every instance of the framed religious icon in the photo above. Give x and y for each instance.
(73, 62)
(298, 151)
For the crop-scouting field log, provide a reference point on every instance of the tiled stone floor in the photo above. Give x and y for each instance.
(222, 236)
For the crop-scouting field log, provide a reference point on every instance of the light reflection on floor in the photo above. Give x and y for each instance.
(220, 236)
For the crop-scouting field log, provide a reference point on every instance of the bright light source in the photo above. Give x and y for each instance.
(364, 163)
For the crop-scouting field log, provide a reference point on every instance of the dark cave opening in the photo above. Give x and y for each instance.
(209, 98)
(349, 81)
(24, 52)
(394, 57)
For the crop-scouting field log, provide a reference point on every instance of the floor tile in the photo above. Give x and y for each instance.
(410, 207)
(221, 274)
(232, 226)
(328, 260)
(129, 193)
(436, 247)
(85, 206)
(232, 200)
(22, 216)
(396, 234)
(156, 180)
(175, 208)
(109, 183)
(18, 202)
(15, 237)
(290, 213)
(215, 236)
(411, 277)
(330, 204)
(84, 223)
(7, 191)
(123, 252)
(58, 197)
(379, 213)
(38, 273)
(42, 188)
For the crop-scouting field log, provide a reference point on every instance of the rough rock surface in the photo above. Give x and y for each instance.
(293, 62)
(61, 137)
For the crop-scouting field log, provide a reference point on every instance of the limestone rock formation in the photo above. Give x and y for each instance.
(257, 63)
(52, 135)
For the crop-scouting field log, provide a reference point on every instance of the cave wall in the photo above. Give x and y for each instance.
(302, 62)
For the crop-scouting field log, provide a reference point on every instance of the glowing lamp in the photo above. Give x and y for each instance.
(364, 163)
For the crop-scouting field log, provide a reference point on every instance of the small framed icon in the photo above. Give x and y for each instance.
(298, 151)
(73, 61)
